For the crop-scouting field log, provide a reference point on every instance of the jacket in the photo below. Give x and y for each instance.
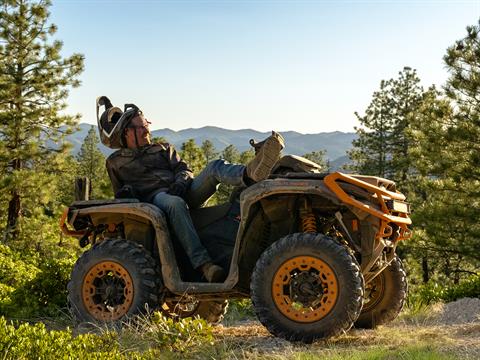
(149, 170)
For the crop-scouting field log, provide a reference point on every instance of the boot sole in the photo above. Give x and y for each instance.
(270, 155)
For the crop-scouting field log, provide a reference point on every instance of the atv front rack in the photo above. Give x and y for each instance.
(392, 208)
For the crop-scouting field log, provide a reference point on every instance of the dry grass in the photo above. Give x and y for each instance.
(399, 340)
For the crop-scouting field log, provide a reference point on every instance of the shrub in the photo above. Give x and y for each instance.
(238, 310)
(36, 342)
(13, 270)
(179, 335)
(45, 294)
(433, 292)
(468, 288)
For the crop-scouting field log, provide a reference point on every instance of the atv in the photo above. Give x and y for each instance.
(314, 252)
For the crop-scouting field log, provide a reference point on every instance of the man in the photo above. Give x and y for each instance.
(155, 173)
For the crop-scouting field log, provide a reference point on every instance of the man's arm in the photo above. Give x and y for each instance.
(114, 179)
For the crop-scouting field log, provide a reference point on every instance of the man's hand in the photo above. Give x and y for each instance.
(125, 192)
(178, 189)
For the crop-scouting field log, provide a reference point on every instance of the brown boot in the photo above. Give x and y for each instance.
(213, 273)
(267, 154)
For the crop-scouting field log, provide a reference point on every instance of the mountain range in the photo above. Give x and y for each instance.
(335, 143)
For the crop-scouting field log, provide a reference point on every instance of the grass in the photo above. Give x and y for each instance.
(411, 336)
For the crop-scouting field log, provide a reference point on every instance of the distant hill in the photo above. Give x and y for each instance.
(335, 143)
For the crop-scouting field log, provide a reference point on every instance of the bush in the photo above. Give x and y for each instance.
(15, 271)
(36, 342)
(468, 288)
(433, 292)
(239, 310)
(172, 334)
(43, 295)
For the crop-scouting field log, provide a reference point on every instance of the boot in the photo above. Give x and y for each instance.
(267, 154)
(213, 273)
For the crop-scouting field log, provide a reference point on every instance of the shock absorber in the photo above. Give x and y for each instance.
(309, 222)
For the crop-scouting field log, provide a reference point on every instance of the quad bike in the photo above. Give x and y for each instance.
(315, 253)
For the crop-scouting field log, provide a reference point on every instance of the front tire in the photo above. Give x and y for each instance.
(114, 279)
(384, 296)
(306, 287)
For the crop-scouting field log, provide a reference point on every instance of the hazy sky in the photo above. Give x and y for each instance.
(286, 65)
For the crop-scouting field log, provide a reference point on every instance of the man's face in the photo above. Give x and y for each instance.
(139, 127)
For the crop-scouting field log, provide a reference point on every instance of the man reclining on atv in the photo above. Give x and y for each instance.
(155, 173)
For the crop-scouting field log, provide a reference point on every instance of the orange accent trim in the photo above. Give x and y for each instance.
(402, 220)
(330, 181)
(64, 228)
(284, 279)
(355, 225)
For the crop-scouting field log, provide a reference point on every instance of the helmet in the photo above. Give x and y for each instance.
(113, 121)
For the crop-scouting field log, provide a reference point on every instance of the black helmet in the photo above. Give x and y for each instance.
(113, 121)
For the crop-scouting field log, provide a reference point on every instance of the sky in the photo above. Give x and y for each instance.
(305, 66)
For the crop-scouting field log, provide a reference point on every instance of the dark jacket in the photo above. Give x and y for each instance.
(149, 170)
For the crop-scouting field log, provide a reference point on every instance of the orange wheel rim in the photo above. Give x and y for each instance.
(107, 291)
(305, 289)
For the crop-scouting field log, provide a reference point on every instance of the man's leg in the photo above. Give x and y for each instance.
(220, 171)
(206, 183)
(180, 222)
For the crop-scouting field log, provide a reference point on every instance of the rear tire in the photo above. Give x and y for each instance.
(306, 287)
(211, 311)
(384, 296)
(114, 279)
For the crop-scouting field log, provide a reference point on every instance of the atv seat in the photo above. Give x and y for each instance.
(299, 175)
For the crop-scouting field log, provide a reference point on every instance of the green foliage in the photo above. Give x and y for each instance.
(193, 156)
(383, 143)
(177, 335)
(44, 295)
(91, 164)
(239, 310)
(433, 292)
(34, 83)
(446, 154)
(32, 285)
(209, 151)
(36, 342)
(144, 340)
(318, 157)
(246, 156)
(231, 154)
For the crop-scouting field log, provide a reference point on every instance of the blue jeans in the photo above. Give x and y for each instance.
(201, 189)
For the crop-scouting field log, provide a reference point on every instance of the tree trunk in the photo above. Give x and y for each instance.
(425, 269)
(13, 215)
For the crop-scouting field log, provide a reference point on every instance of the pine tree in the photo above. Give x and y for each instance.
(317, 157)
(406, 95)
(231, 154)
(34, 83)
(209, 151)
(370, 153)
(383, 143)
(193, 156)
(447, 152)
(91, 164)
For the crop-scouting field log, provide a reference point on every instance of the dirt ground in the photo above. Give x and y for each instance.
(451, 330)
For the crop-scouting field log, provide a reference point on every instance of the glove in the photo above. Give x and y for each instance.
(126, 192)
(178, 189)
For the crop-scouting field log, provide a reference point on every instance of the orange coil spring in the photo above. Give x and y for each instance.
(309, 223)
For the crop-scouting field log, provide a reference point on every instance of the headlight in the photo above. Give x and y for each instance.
(398, 206)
